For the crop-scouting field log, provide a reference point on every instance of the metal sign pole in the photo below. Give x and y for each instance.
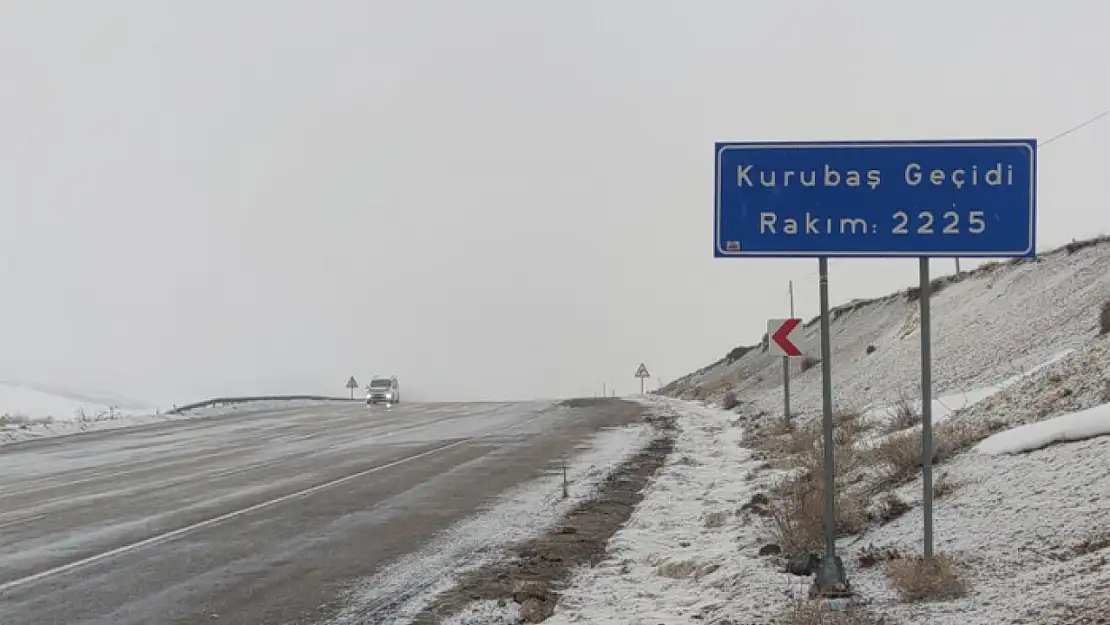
(926, 406)
(786, 369)
(830, 578)
(826, 405)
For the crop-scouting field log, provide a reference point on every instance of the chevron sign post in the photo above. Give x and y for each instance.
(779, 339)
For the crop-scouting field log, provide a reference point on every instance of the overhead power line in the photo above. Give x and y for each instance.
(1074, 128)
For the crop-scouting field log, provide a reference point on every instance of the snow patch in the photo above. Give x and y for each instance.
(1076, 426)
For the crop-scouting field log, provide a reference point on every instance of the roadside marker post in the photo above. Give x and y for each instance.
(973, 198)
(643, 374)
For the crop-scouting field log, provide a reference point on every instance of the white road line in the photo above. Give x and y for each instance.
(160, 538)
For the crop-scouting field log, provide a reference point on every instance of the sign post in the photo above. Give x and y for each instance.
(786, 370)
(875, 199)
(643, 374)
(352, 385)
(926, 294)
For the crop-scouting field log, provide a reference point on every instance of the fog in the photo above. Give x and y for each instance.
(491, 200)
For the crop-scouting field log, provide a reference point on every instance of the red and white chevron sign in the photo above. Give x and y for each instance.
(779, 339)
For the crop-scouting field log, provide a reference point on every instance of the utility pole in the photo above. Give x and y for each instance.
(957, 266)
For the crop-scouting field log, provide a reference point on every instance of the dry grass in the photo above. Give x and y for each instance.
(956, 436)
(872, 556)
(916, 579)
(944, 486)
(730, 401)
(685, 569)
(807, 444)
(891, 508)
(850, 423)
(782, 427)
(796, 510)
(802, 612)
(797, 513)
(778, 438)
(714, 519)
(903, 415)
(899, 455)
(22, 420)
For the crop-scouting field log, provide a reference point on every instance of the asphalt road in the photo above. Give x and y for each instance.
(255, 518)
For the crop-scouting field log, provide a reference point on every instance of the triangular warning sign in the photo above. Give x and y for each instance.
(642, 372)
(352, 383)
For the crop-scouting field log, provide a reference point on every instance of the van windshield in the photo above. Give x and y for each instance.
(381, 384)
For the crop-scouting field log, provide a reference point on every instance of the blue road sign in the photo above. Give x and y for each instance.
(969, 197)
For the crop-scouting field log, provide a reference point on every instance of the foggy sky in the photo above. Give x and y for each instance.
(492, 200)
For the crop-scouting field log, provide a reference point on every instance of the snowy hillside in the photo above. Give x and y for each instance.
(1021, 366)
(24, 403)
(989, 325)
(1028, 532)
(728, 531)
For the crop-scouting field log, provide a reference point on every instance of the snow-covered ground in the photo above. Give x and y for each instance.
(1013, 520)
(25, 403)
(1016, 346)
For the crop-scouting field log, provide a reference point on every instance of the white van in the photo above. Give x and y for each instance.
(383, 390)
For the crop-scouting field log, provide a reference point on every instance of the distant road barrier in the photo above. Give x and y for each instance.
(219, 401)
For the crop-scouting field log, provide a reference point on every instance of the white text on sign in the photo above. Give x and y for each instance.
(924, 222)
(914, 175)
